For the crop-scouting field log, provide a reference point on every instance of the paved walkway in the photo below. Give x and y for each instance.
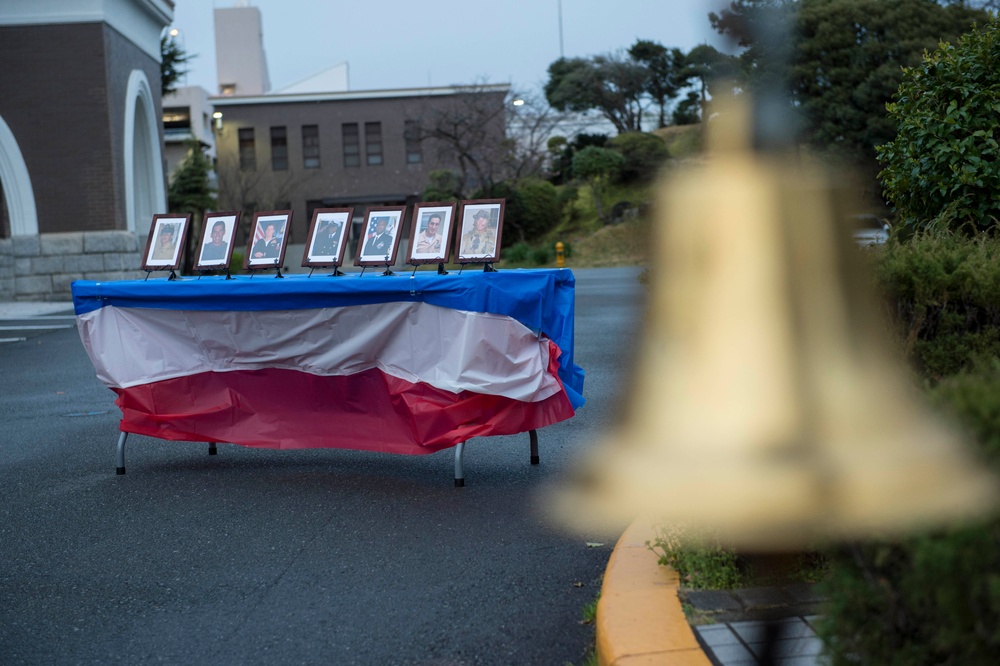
(743, 643)
(741, 619)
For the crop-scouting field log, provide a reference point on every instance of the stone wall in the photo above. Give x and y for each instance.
(41, 268)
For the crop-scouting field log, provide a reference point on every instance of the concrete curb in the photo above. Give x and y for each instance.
(639, 616)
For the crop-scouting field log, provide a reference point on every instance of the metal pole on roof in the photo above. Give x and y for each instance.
(560, 30)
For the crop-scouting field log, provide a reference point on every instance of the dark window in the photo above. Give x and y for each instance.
(352, 145)
(411, 133)
(279, 149)
(248, 158)
(373, 143)
(310, 146)
(176, 118)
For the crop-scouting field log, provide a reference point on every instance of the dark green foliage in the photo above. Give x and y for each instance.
(531, 210)
(944, 294)
(665, 73)
(517, 253)
(841, 60)
(189, 190)
(593, 163)
(933, 598)
(701, 564)
(563, 152)
(620, 86)
(943, 169)
(443, 185)
(600, 167)
(610, 84)
(644, 154)
(541, 255)
(172, 61)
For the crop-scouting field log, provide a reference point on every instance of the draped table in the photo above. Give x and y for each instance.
(409, 364)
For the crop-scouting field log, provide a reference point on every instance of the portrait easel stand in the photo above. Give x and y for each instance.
(336, 271)
(172, 276)
(277, 268)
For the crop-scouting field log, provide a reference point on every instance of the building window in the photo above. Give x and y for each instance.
(352, 145)
(373, 143)
(411, 133)
(176, 118)
(248, 158)
(279, 149)
(310, 146)
(227, 89)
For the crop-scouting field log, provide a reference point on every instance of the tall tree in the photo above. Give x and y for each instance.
(172, 61)
(468, 130)
(666, 73)
(611, 84)
(842, 59)
(190, 192)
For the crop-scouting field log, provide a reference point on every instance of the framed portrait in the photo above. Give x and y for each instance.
(480, 231)
(268, 239)
(166, 239)
(216, 247)
(327, 237)
(380, 239)
(430, 233)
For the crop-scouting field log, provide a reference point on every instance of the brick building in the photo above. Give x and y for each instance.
(366, 148)
(80, 140)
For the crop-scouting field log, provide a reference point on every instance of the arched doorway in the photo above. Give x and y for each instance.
(145, 193)
(17, 192)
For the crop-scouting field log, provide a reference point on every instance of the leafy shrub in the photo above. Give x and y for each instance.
(517, 253)
(644, 154)
(943, 293)
(701, 563)
(541, 255)
(442, 185)
(942, 169)
(534, 208)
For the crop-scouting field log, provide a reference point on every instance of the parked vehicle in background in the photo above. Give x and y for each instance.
(867, 229)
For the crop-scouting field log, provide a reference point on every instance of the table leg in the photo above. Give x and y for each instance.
(533, 437)
(120, 461)
(459, 471)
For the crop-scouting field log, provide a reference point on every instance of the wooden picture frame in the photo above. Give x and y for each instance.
(267, 249)
(216, 248)
(378, 244)
(165, 244)
(327, 239)
(430, 243)
(479, 234)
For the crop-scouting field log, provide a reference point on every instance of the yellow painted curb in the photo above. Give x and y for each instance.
(639, 617)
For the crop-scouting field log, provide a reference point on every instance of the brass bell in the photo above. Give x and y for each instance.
(767, 405)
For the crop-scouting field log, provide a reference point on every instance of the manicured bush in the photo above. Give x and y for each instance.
(517, 253)
(541, 255)
(644, 154)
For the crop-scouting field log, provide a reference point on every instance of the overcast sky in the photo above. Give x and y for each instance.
(400, 44)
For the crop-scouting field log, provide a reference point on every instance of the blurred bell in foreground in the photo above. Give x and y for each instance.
(766, 404)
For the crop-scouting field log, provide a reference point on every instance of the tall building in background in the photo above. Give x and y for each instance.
(241, 65)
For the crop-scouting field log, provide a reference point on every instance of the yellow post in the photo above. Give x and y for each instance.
(560, 255)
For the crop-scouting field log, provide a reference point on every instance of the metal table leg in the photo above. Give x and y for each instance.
(120, 468)
(459, 471)
(533, 436)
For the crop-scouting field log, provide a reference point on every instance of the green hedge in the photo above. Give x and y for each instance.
(933, 598)
(943, 293)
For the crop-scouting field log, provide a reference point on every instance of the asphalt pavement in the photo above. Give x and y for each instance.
(288, 557)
